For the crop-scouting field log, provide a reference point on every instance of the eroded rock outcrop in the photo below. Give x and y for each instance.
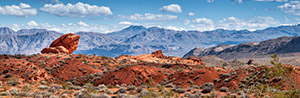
(67, 43)
(196, 59)
(158, 54)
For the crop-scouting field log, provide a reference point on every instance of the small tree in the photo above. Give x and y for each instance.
(284, 72)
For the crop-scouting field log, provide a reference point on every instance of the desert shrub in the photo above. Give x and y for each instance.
(195, 87)
(224, 89)
(207, 87)
(4, 94)
(180, 90)
(160, 88)
(64, 96)
(48, 69)
(149, 94)
(167, 93)
(277, 72)
(106, 96)
(13, 81)
(170, 85)
(191, 82)
(150, 82)
(67, 85)
(121, 90)
(43, 87)
(90, 88)
(44, 83)
(14, 91)
(131, 87)
(187, 94)
(139, 89)
(27, 88)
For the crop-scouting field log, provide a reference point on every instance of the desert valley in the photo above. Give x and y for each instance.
(149, 49)
(224, 71)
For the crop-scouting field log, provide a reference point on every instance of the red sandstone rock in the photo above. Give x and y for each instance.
(196, 59)
(59, 49)
(158, 54)
(67, 43)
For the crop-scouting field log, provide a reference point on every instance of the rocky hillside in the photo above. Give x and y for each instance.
(250, 49)
(148, 75)
(136, 40)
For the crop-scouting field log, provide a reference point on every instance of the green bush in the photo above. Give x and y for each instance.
(27, 88)
(280, 74)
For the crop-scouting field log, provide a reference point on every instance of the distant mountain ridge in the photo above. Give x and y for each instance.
(250, 49)
(135, 40)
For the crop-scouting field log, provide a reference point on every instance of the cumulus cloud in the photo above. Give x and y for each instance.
(292, 7)
(191, 14)
(240, 1)
(148, 16)
(210, 1)
(202, 24)
(258, 22)
(32, 23)
(21, 10)
(80, 23)
(77, 10)
(172, 8)
(232, 23)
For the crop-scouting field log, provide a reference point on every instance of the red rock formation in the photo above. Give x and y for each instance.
(158, 54)
(67, 43)
(58, 49)
(196, 59)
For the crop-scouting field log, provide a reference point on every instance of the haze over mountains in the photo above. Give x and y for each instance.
(136, 40)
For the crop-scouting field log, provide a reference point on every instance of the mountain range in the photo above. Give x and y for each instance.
(281, 45)
(135, 40)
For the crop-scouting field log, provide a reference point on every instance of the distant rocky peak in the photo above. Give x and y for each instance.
(6, 30)
(135, 27)
(31, 31)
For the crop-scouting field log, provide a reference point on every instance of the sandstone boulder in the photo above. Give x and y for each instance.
(58, 49)
(158, 54)
(67, 43)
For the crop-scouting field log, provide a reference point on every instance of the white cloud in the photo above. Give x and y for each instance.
(77, 10)
(232, 23)
(148, 16)
(237, 1)
(240, 1)
(210, 1)
(191, 14)
(174, 28)
(173, 8)
(202, 24)
(258, 22)
(32, 23)
(23, 10)
(23, 5)
(292, 7)
(80, 23)
(125, 23)
(51, 1)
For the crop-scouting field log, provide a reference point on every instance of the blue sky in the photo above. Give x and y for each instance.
(112, 15)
